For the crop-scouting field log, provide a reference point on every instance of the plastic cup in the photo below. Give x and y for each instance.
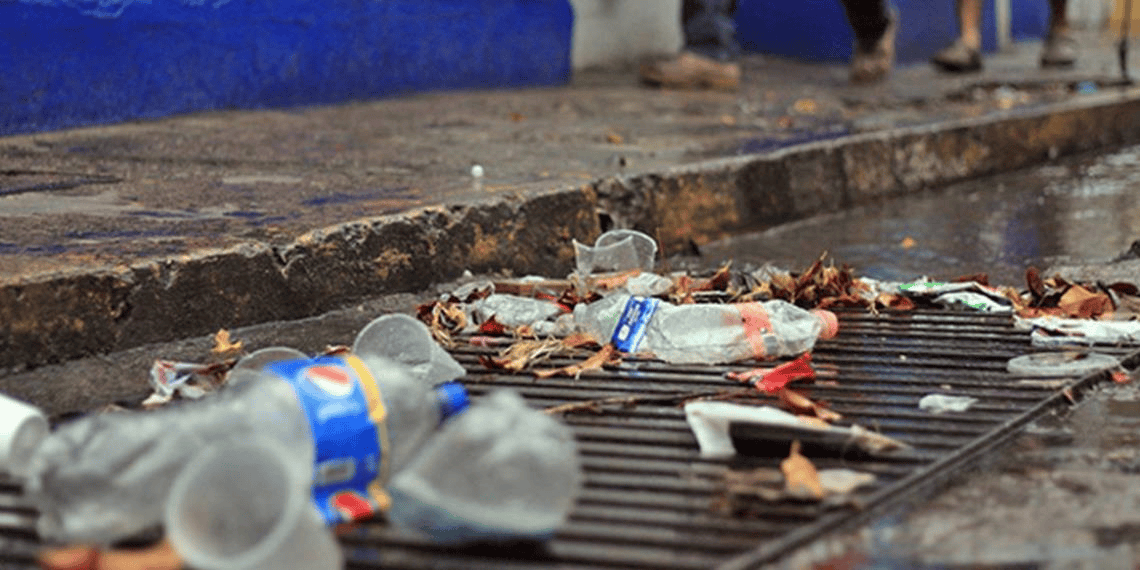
(22, 428)
(239, 506)
(406, 340)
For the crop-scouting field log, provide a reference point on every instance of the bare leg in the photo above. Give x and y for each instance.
(970, 23)
(965, 54)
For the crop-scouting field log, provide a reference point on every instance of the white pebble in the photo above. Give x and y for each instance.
(477, 171)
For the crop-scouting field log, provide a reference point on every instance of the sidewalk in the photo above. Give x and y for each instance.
(118, 236)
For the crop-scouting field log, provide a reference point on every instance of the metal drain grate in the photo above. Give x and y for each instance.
(649, 500)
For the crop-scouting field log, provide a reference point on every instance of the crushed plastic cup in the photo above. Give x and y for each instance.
(251, 365)
(1060, 364)
(408, 341)
(238, 505)
(616, 250)
(22, 428)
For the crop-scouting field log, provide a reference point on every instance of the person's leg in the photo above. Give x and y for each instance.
(874, 27)
(965, 54)
(710, 50)
(1060, 49)
(709, 28)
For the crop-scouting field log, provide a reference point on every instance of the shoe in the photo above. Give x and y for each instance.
(1060, 50)
(691, 71)
(958, 58)
(875, 65)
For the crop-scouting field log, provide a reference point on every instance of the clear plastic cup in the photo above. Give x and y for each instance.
(239, 505)
(406, 340)
(22, 428)
(616, 250)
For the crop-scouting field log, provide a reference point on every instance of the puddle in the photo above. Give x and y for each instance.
(1081, 210)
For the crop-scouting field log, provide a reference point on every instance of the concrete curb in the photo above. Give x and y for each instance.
(61, 317)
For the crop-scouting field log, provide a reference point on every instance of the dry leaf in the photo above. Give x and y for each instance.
(222, 344)
(606, 355)
(801, 480)
(1081, 303)
(801, 404)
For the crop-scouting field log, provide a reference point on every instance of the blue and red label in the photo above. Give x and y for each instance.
(634, 320)
(347, 419)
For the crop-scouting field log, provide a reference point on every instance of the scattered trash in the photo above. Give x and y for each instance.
(1055, 332)
(22, 429)
(969, 295)
(1060, 364)
(908, 243)
(477, 171)
(616, 250)
(188, 380)
(351, 421)
(705, 333)
(710, 424)
(243, 505)
(941, 403)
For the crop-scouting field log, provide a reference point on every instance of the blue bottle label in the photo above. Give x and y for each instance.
(346, 417)
(634, 320)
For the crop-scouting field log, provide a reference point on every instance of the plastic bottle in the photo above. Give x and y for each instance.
(705, 333)
(105, 477)
(499, 470)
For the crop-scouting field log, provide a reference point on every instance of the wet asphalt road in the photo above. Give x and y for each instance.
(1079, 210)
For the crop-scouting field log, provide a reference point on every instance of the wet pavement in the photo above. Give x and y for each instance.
(235, 218)
(121, 193)
(1077, 211)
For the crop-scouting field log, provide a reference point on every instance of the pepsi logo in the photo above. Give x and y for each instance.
(333, 380)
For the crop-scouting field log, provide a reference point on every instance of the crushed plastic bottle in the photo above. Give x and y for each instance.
(500, 470)
(705, 333)
(349, 421)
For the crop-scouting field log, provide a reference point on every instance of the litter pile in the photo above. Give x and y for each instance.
(384, 428)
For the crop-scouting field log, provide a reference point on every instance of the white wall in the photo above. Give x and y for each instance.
(623, 31)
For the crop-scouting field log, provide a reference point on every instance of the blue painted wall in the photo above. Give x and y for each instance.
(817, 29)
(66, 63)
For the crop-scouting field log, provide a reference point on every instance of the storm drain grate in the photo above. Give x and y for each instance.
(650, 501)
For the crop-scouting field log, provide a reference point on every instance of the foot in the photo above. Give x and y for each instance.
(958, 58)
(875, 65)
(1060, 50)
(691, 71)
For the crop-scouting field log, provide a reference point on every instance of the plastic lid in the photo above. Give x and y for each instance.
(453, 399)
(830, 323)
